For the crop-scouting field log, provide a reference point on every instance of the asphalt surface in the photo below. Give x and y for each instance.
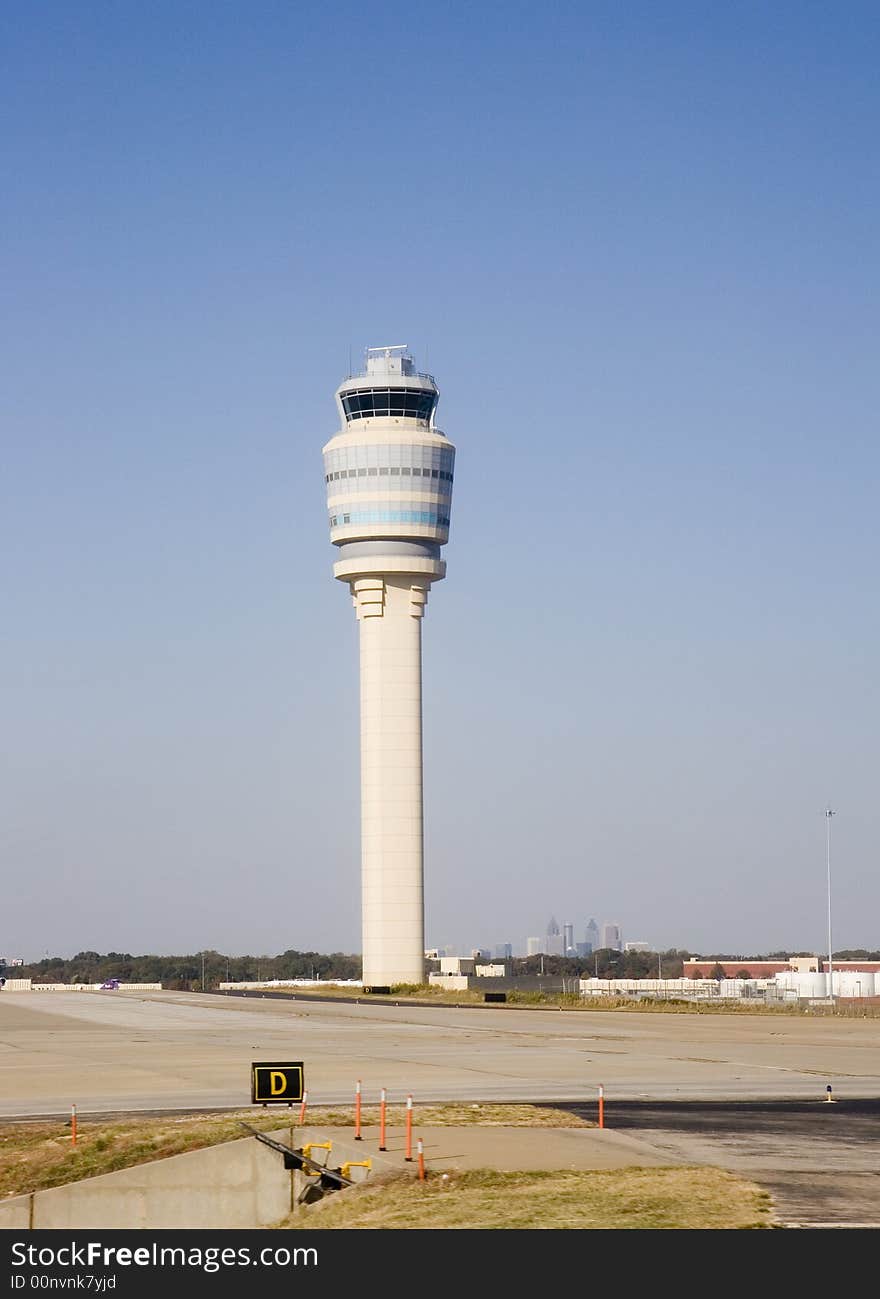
(820, 1161)
(746, 1093)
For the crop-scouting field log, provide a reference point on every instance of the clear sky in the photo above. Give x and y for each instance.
(638, 247)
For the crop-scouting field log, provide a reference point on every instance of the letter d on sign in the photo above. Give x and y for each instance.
(276, 1082)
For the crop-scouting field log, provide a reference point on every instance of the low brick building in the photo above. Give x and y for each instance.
(696, 968)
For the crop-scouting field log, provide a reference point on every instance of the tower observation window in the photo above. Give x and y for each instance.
(413, 403)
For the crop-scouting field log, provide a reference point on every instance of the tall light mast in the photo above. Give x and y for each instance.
(388, 473)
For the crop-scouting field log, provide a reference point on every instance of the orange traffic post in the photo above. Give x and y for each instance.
(382, 1121)
(421, 1161)
(409, 1129)
(73, 1125)
(302, 1108)
(357, 1112)
(601, 1106)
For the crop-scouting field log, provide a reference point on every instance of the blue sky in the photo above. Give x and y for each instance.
(637, 245)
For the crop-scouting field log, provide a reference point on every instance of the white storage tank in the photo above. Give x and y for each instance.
(812, 985)
(805, 984)
(853, 983)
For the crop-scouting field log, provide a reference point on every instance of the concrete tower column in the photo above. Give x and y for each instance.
(390, 613)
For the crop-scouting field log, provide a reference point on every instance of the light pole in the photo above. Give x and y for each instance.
(203, 971)
(829, 812)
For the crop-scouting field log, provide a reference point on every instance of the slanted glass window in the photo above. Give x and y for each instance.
(408, 402)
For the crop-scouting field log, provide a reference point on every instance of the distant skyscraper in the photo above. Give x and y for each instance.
(534, 947)
(388, 474)
(503, 951)
(554, 938)
(568, 940)
(592, 935)
(611, 937)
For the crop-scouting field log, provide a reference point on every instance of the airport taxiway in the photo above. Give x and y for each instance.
(744, 1092)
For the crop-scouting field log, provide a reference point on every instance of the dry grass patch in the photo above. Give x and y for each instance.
(629, 1198)
(34, 1156)
(532, 1000)
(463, 1114)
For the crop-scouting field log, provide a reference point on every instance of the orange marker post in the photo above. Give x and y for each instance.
(409, 1129)
(601, 1106)
(302, 1108)
(421, 1161)
(382, 1121)
(357, 1112)
(73, 1125)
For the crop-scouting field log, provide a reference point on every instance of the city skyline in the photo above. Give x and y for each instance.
(647, 280)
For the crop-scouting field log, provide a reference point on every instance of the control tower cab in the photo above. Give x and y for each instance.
(388, 471)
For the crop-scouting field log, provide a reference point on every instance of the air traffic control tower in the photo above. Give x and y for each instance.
(388, 473)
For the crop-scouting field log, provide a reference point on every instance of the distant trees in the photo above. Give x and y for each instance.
(185, 972)
(606, 963)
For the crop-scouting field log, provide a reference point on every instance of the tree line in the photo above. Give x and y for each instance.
(184, 973)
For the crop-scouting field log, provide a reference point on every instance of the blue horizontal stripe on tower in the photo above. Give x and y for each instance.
(389, 516)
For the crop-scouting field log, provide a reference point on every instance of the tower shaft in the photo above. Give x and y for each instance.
(389, 613)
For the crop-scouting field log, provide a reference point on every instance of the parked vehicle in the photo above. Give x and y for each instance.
(110, 986)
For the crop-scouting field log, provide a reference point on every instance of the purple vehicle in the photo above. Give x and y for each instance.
(110, 986)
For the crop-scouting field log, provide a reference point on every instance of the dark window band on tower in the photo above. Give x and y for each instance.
(412, 403)
(384, 470)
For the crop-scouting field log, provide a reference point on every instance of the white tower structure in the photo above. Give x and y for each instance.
(388, 473)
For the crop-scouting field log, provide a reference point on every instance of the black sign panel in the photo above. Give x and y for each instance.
(276, 1084)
